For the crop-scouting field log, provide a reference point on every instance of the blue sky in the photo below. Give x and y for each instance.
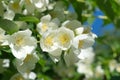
(98, 26)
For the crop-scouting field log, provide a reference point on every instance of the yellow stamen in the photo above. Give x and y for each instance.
(64, 38)
(19, 41)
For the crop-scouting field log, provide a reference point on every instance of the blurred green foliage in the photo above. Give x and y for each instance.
(107, 47)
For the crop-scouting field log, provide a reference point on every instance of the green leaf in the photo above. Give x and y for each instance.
(9, 26)
(79, 7)
(29, 19)
(90, 20)
(106, 7)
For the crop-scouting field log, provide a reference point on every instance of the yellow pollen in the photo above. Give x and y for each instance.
(80, 44)
(44, 27)
(64, 38)
(19, 41)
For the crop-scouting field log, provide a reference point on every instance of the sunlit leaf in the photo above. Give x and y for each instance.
(9, 26)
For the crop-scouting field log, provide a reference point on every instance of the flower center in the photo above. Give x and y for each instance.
(19, 41)
(64, 38)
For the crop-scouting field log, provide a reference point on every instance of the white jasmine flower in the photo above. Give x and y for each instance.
(28, 64)
(41, 5)
(9, 14)
(112, 65)
(87, 55)
(48, 42)
(17, 76)
(83, 41)
(64, 38)
(118, 67)
(84, 65)
(15, 6)
(47, 24)
(99, 71)
(22, 43)
(84, 68)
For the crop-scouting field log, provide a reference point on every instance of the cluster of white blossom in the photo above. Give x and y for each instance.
(114, 65)
(22, 46)
(85, 66)
(59, 34)
(69, 37)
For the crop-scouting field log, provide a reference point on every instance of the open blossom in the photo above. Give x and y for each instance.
(15, 6)
(85, 69)
(47, 24)
(114, 65)
(83, 41)
(64, 38)
(32, 5)
(27, 64)
(8, 14)
(99, 71)
(86, 57)
(22, 43)
(17, 76)
(41, 5)
(48, 42)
